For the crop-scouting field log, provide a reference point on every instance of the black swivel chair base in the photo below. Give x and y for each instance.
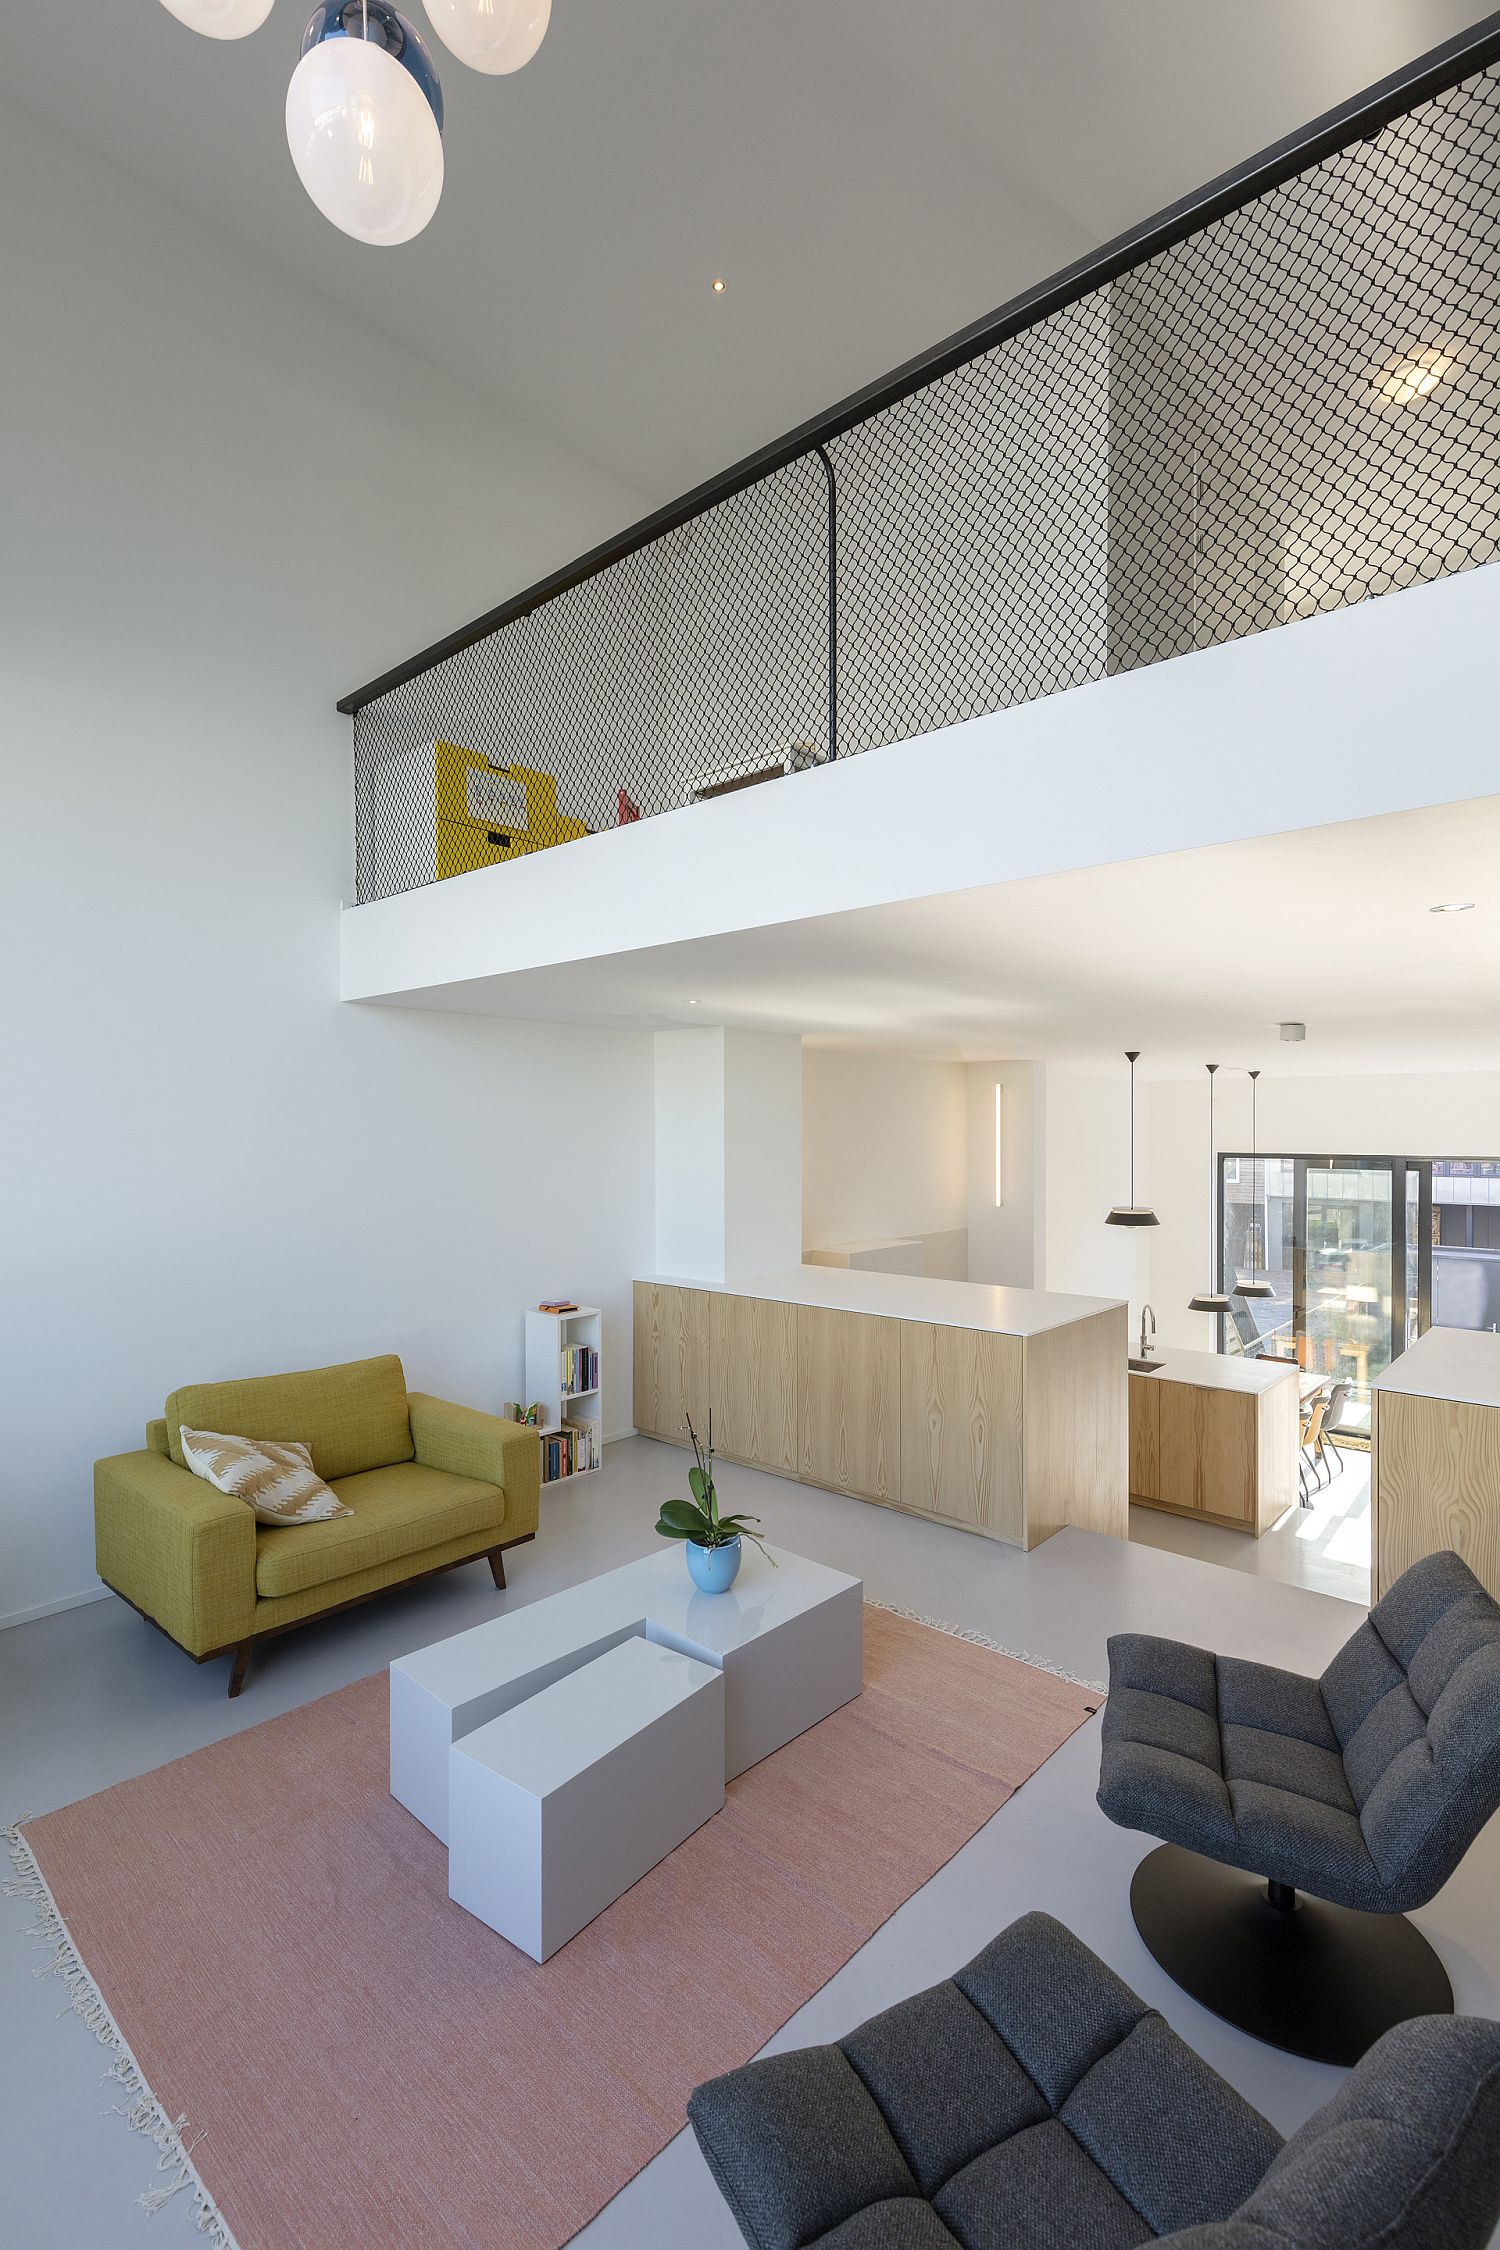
(1301, 1974)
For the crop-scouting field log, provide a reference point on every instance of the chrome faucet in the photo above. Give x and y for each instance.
(1147, 1314)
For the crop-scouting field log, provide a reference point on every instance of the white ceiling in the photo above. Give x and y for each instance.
(1188, 956)
(868, 174)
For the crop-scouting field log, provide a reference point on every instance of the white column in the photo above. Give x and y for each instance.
(728, 1153)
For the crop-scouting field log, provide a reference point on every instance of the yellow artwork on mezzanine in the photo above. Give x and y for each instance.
(487, 813)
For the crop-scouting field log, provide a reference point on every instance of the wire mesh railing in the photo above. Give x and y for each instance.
(1289, 407)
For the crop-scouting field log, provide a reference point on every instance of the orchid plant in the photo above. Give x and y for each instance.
(698, 1520)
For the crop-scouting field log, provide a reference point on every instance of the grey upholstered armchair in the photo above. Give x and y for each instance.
(1033, 2102)
(1363, 1789)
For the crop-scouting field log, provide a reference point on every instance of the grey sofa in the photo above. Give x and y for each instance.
(1363, 1788)
(1033, 2103)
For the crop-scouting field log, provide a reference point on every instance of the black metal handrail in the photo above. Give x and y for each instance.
(1361, 118)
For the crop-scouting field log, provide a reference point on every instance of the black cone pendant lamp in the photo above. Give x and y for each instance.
(1210, 1299)
(1257, 1285)
(1132, 1214)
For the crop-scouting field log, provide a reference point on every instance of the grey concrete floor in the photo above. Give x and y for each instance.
(1324, 1546)
(94, 1695)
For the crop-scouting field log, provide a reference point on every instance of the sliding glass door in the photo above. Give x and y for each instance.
(1339, 1244)
(1357, 1255)
(1349, 1277)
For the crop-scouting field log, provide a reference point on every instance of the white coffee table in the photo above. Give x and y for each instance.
(564, 1801)
(789, 1642)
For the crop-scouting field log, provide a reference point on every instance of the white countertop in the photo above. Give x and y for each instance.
(909, 1296)
(1220, 1371)
(1456, 1363)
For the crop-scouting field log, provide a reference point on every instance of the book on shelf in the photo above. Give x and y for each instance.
(580, 1368)
(557, 1305)
(570, 1451)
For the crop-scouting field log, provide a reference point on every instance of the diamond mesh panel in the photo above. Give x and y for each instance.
(1295, 409)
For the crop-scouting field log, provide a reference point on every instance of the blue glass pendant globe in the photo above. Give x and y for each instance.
(384, 26)
(364, 121)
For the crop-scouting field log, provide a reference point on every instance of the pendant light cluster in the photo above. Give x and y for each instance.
(364, 111)
(1132, 1214)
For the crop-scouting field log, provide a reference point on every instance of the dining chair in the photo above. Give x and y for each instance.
(1309, 1439)
(1338, 1399)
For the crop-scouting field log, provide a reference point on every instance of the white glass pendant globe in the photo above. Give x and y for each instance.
(220, 19)
(363, 136)
(491, 35)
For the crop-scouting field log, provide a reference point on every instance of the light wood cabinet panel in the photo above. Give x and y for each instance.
(961, 1427)
(1227, 1455)
(753, 1380)
(1145, 1437)
(1078, 1428)
(1012, 1436)
(671, 1360)
(1437, 1484)
(849, 1401)
(1207, 1450)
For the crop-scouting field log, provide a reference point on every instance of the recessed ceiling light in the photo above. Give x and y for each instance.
(718, 285)
(1453, 906)
(694, 1003)
(1413, 376)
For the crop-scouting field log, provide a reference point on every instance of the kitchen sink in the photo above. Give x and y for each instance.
(1146, 1366)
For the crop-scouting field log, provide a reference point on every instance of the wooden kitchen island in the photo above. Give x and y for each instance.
(1215, 1437)
(1002, 1411)
(1435, 1442)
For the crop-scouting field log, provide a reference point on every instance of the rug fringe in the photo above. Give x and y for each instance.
(982, 1640)
(140, 2109)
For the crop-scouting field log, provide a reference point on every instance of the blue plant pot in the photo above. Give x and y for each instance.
(713, 1570)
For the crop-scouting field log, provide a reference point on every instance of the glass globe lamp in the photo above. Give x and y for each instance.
(364, 121)
(220, 19)
(491, 35)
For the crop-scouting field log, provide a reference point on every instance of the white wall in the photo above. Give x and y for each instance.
(762, 1153)
(728, 1153)
(1088, 1171)
(1007, 1240)
(1439, 1114)
(689, 1095)
(221, 504)
(884, 1146)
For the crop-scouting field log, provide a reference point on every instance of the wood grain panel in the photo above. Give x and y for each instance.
(1145, 1438)
(1208, 1451)
(1077, 1428)
(671, 1360)
(753, 1370)
(849, 1401)
(961, 1428)
(1437, 1465)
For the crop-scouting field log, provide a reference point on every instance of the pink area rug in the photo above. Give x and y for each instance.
(360, 2065)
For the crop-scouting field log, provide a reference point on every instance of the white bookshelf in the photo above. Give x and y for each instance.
(550, 1337)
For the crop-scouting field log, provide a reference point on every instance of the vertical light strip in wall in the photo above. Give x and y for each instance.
(999, 1148)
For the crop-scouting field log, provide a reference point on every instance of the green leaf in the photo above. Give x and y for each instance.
(698, 1485)
(684, 1514)
(672, 1531)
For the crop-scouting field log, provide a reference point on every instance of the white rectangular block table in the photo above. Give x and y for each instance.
(789, 1642)
(564, 1801)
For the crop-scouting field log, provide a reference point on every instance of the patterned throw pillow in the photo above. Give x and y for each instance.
(278, 1481)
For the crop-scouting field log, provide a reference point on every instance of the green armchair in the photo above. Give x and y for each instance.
(430, 1486)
